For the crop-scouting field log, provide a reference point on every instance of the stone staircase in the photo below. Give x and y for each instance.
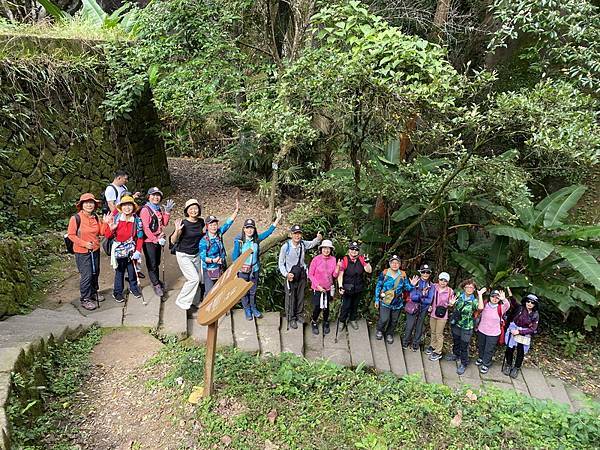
(20, 336)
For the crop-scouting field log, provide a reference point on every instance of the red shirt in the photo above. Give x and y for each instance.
(124, 232)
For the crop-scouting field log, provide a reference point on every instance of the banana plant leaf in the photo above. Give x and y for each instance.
(405, 212)
(508, 231)
(540, 249)
(498, 256)
(58, 14)
(471, 265)
(558, 209)
(582, 262)
(93, 13)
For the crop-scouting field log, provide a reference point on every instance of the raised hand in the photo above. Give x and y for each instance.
(319, 236)
(502, 295)
(237, 199)
(108, 218)
(481, 291)
(169, 205)
(278, 216)
(179, 224)
(414, 280)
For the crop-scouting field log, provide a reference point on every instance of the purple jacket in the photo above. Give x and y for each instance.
(417, 296)
(527, 322)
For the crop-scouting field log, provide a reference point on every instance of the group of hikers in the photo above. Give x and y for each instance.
(128, 230)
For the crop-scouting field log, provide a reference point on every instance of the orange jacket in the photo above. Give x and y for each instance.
(90, 230)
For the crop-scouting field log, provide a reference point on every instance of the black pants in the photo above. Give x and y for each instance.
(388, 318)
(414, 322)
(460, 347)
(349, 306)
(152, 254)
(89, 270)
(520, 355)
(294, 298)
(486, 347)
(316, 303)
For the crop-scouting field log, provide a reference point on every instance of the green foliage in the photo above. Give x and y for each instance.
(571, 342)
(37, 415)
(321, 405)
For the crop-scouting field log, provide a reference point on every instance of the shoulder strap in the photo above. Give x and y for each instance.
(300, 254)
(78, 222)
(116, 191)
(397, 282)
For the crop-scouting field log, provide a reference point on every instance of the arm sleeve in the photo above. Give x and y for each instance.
(532, 326)
(265, 234)
(310, 244)
(282, 268)
(108, 233)
(311, 271)
(415, 293)
(72, 233)
(202, 250)
(226, 226)
(379, 287)
(145, 218)
(110, 194)
(429, 298)
(165, 218)
(236, 249)
(505, 306)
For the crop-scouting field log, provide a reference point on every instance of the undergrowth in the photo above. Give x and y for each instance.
(293, 403)
(39, 404)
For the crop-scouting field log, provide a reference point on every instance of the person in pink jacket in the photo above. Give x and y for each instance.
(322, 272)
(154, 220)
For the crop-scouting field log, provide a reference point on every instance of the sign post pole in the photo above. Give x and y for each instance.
(211, 346)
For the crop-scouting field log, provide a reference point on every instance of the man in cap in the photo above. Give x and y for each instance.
(352, 268)
(422, 295)
(293, 269)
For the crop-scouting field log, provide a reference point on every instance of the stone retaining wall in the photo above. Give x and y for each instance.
(15, 282)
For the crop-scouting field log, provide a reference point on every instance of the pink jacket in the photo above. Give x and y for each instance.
(163, 221)
(322, 272)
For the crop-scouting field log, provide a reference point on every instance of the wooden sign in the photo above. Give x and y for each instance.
(226, 292)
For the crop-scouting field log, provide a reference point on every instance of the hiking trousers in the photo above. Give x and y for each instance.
(249, 300)
(294, 299)
(486, 347)
(414, 322)
(349, 306)
(152, 253)
(88, 274)
(316, 303)
(461, 339)
(520, 355)
(437, 334)
(190, 268)
(125, 265)
(388, 318)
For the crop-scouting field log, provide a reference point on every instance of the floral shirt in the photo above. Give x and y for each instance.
(464, 308)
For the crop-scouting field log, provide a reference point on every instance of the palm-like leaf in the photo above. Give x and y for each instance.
(471, 265)
(540, 249)
(405, 212)
(93, 13)
(54, 11)
(583, 233)
(498, 255)
(508, 231)
(582, 262)
(558, 209)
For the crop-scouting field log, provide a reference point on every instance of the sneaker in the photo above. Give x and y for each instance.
(415, 348)
(484, 369)
(100, 297)
(354, 324)
(405, 346)
(136, 294)
(461, 369)
(119, 298)
(293, 324)
(256, 313)
(451, 357)
(514, 372)
(326, 328)
(379, 335)
(435, 356)
(389, 339)
(158, 290)
(248, 313)
(506, 370)
(429, 350)
(315, 328)
(88, 304)
(479, 362)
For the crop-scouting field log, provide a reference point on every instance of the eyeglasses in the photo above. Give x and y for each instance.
(530, 301)
(428, 272)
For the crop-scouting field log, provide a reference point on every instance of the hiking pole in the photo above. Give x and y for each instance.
(91, 253)
(337, 325)
(507, 342)
(288, 306)
(137, 280)
(164, 285)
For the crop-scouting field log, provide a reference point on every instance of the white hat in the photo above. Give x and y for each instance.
(444, 276)
(327, 243)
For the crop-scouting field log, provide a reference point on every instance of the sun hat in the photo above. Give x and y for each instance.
(444, 276)
(250, 223)
(85, 198)
(125, 200)
(326, 243)
(190, 202)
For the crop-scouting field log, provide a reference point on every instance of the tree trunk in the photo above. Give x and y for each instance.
(440, 19)
(283, 152)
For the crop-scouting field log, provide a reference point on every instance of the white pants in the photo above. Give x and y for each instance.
(191, 270)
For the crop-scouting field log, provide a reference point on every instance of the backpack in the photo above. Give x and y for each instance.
(154, 223)
(105, 207)
(68, 242)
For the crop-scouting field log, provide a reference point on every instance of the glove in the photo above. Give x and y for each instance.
(169, 205)
(136, 256)
(162, 241)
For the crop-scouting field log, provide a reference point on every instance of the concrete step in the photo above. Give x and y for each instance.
(449, 374)
(519, 384)
(139, 315)
(268, 333)
(379, 351)
(414, 363)
(576, 397)
(471, 376)
(396, 356)
(536, 383)
(432, 369)
(292, 340)
(244, 332)
(337, 352)
(360, 345)
(559, 393)
(313, 344)
(174, 319)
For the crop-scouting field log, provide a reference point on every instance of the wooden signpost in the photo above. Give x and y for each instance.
(224, 295)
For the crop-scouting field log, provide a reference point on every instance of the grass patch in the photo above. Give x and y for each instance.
(39, 404)
(70, 29)
(293, 403)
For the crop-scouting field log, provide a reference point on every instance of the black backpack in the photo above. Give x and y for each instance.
(105, 207)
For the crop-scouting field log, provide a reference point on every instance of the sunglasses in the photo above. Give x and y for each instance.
(426, 271)
(530, 301)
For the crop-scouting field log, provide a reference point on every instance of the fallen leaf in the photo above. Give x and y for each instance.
(195, 395)
(226, 440)
(471, 396)
(270, 446)
(457, 419)
(272, 416)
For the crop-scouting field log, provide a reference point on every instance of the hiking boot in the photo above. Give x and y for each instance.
(158, 290)
(256, 313)
(88, 304)
(315, 328)
(293, 324)
(119, 298)
(479, 362)
(354, 324)
(404, 346)
(484, 369)
(514, 372)
(461, 369)
(415, 348)
(435, 356)
(248, 313)
(100, 297)
(326, 328)
(389, 339)
(429, 350)
(136, 294)
(379, 335)
(506, 370)
(451, 357)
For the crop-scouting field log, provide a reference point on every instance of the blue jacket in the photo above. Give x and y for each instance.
(212, 246)
(385, 282)
(240, 244)
(416, 293)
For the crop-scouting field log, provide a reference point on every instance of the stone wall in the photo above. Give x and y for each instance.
(54, 140)
(15, 282)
